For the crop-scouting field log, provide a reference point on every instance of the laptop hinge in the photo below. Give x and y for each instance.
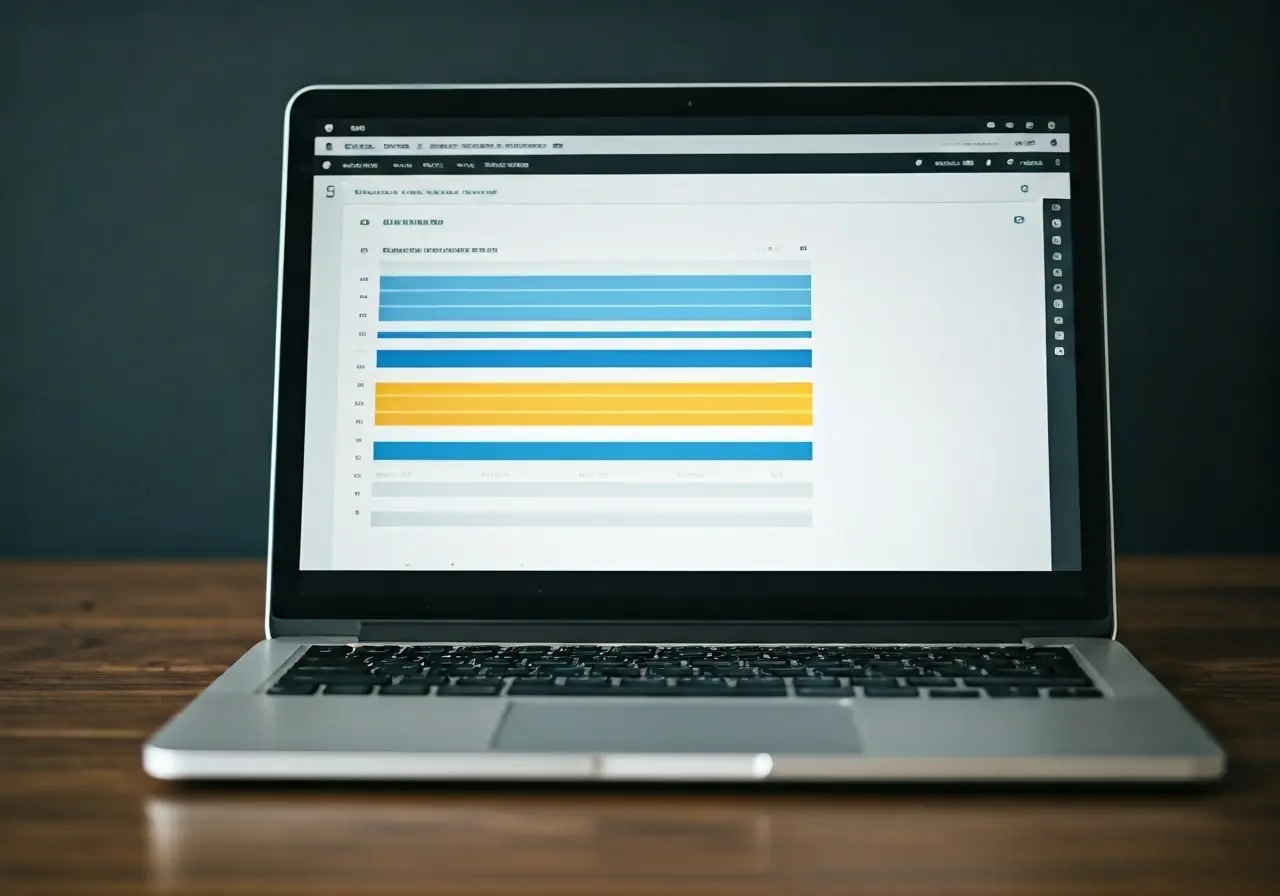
(689, 632)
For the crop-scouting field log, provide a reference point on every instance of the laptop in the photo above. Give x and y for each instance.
(742, 433)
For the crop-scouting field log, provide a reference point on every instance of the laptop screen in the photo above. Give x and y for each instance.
(802, 345)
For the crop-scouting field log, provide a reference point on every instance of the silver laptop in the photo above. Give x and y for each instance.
(690, 433)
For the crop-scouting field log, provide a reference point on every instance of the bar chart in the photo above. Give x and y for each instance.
(595, 297)
(666, 397)
(594, 404)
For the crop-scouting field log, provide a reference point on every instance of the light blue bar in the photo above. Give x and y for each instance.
(601, 281)
(595, 334)
(686, 519)
(597, 312)
(588, 451)
(543, 297)
(605, 358)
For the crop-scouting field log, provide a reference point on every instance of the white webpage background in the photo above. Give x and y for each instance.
(930, 412)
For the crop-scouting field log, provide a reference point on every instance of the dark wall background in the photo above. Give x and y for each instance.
(140, 144)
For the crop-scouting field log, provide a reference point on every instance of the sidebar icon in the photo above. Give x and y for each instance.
(1057, 277)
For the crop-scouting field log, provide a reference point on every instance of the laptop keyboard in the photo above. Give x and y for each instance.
(637, 670)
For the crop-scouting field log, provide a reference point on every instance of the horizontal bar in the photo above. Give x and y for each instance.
(659, 490)
(490, 267)
(598, 312)
(598, 418)
(527, 404)
(510, 519)
(595, 334)
(571, 298)
(603, 358)
(585, 451)
(601, 281)
(616, 388)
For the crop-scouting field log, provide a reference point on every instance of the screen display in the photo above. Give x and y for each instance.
(796, 345)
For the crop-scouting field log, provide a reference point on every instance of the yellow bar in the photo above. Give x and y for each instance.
(594, 389)
(506, 403)
(559, 418)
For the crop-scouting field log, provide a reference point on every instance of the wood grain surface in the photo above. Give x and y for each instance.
(93, 657)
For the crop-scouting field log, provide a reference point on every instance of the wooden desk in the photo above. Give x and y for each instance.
(95, 657)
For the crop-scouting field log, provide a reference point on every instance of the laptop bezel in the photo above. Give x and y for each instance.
(1082, 602)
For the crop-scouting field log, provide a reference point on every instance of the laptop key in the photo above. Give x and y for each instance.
(587, 683)
(703, 689)
(480, 682)
(765, 688)
(416, 688)
(804, 690)
(286, 689)
(879, 691)
(1074, 692)
(534, 687)
(342, 679)
(642, 682)
(1012, 692)
(935, 693)
(1025, 681)
(699, 683)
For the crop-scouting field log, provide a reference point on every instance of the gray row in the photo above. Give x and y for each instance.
(593, 489)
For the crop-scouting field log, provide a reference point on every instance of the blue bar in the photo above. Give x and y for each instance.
(587, 451)
(586, 312)
(602, 281)
(616, 297)
(595, 334)
(607, 358)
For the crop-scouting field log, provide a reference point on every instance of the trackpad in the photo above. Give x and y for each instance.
(608, 727)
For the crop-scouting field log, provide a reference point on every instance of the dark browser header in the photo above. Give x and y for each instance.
(883, 124)
(756, 163)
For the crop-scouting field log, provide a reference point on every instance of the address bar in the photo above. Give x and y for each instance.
(693, 144)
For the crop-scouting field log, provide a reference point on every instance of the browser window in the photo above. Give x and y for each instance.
(839, 345)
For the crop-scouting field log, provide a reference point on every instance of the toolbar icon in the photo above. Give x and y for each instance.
(1059, 350)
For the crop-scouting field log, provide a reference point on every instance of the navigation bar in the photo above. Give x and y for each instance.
(758, 163)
